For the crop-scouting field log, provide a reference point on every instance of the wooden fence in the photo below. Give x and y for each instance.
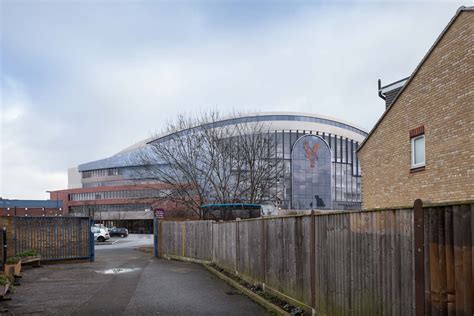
(190, 239)
(352, 263)
(446, 235)
(54, 238)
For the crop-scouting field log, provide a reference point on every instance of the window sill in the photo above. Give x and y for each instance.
(417, 169)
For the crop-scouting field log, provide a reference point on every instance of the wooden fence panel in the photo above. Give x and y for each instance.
(448, 260)
(54, 238)
(225, 246)
(360, 263)
(274, 273)
(198, 244)
(364, 263)
(250, 258)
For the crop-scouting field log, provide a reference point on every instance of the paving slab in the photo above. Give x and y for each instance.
(150, 287)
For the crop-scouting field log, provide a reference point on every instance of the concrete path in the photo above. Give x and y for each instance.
(152, 287)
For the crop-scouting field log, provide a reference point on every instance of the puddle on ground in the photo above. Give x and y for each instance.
(118, 270)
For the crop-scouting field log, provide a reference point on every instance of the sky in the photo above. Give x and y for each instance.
(81, 80)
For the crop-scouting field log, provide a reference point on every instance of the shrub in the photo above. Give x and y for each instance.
(13, 260)
(28, 253)
(5, 279)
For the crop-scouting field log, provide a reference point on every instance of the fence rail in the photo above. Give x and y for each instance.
(354, 263)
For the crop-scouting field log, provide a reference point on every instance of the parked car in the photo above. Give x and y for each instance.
(102, 226)
(100, 234)
(119, 231)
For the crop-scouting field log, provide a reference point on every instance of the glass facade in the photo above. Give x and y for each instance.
(101, 173)
(311, 173)
(121, 194)
(94, 210)
(297, 187)
(344, 184)
(334, 182)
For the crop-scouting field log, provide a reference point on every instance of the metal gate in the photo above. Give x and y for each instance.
(54, 238)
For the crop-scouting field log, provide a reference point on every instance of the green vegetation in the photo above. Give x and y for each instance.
(28, 253)
(13, 260)
(5, 279)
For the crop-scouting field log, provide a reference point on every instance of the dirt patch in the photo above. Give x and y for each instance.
(293, 310)
(146, 249)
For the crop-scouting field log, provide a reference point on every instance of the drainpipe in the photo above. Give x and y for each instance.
(380, 92)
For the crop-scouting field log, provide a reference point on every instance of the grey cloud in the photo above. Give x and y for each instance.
(116, 74)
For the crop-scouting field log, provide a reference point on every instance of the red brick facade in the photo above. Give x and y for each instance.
(32, 211)
(171, 209)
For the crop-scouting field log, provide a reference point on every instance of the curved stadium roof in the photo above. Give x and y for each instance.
(279, 121)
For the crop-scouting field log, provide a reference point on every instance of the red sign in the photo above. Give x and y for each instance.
(159, 213)
(311, 153)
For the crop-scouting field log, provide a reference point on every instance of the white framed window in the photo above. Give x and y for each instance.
(418, 151)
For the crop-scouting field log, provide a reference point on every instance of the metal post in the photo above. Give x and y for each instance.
(4, 235)
(91, 240)
(419, 258)
(155, 236)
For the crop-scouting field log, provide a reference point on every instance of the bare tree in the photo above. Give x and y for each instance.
(204, 161)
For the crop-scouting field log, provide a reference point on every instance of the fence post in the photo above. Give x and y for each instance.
(4, 238)
(264, 252)
(419, 258)
(237, 247)
(91, 240)
(312, 258)
(183, 239)
(155, 236)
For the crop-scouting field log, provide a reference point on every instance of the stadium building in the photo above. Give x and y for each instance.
(321, 171)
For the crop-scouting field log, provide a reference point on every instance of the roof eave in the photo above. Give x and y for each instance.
(436, 42)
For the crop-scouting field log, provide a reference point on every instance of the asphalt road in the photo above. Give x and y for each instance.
(104, 287)
(132, 241)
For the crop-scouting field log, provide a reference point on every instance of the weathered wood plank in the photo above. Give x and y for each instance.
(458, 260)
(434, 260)
(467, 259)
(442, 261)
(449, 255)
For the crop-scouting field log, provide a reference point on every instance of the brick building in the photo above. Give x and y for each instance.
(129, 206)
(423, 145)
(31, 208)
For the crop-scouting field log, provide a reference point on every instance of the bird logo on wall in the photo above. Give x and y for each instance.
(311, 153)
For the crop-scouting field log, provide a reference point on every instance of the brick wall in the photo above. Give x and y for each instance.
(440, 97)
(32, 211)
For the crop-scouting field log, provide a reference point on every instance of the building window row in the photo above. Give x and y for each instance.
(121, 194)
(101, 173)
(95, 210)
